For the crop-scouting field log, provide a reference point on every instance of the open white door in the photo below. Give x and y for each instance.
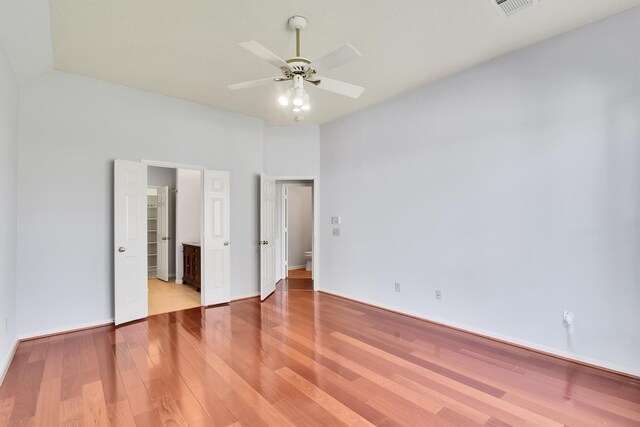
(130, 238)
(267, 236)
(216, 265)
(163, 234)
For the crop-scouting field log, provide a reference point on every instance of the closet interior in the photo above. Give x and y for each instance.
(152, 231)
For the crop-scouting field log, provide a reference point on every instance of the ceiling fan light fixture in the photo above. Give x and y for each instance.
(298, 97)
(299, 69)
(306, 105)
(284, 98)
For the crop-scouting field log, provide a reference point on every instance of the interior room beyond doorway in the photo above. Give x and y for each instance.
(173, 227)
(297, 226)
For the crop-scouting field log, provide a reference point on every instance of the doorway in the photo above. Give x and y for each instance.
(297, 230)
(288, 234)
(135, 214)
(173, 227)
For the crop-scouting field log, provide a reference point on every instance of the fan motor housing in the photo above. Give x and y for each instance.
(297, 66)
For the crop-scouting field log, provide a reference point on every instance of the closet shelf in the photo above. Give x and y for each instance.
(152, 227)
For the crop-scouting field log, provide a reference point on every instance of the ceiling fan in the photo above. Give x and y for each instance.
(299, 70)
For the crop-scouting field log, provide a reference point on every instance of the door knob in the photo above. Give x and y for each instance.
(226, 243)
(265, 242)
(121, 249)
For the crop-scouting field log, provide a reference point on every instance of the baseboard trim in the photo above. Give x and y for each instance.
(245, 298)
(601, 366)
(62, 331)
(7, 362)
(46, 334)
(297, 267)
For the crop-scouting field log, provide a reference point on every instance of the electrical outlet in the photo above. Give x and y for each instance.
(336, 232)
(397, 284)
(567, 317)
(438, 294)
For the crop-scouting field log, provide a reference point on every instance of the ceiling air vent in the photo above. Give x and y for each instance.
(509, 7)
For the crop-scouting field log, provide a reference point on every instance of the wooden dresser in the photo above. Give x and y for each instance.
(191, 257)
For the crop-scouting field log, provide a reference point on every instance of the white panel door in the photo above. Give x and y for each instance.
(267, 236)
(130, 238)
(215, 251)
(163, 234)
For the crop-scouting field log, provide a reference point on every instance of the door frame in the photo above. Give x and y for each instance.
(174, 165)
(314, 183)
(284, 215)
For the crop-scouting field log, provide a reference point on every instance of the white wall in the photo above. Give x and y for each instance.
(189, 213)
(8, 207)
(166, 177)
(513, 187)
(292, 150)
(71, 130)
(300, 224)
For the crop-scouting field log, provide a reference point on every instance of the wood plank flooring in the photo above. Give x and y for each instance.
(303, 359)
(295, 285)
(299, 273)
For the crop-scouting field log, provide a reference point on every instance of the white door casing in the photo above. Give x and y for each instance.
(287, 181)
(163, 234)
(267, 236)
(216, 242)
(285, 230)
(130, 239)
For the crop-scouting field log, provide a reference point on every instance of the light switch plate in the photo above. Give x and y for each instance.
(335, 220)
(336, 231)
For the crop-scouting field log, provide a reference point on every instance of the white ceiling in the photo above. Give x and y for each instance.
(189, 49)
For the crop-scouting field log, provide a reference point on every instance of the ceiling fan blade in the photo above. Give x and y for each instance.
(336, 86)
(263, 53)
(336, 58)
(252, 83)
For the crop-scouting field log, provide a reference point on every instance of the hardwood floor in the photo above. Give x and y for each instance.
(295, 285)
(169, 296)
(299, 273)
(306, 359)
